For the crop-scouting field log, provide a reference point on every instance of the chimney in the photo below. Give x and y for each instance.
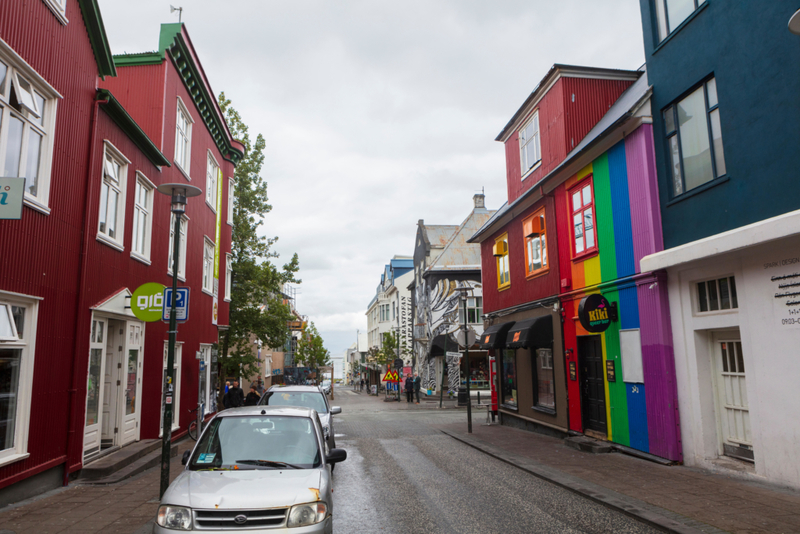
(480, 202)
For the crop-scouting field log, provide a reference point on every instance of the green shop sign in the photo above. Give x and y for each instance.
(147, 302)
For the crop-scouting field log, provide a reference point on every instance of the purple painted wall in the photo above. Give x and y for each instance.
(643, 191)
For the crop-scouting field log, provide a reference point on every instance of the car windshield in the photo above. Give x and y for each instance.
(258, 442)
(304, 399)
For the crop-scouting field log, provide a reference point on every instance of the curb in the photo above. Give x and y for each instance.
(646, 513)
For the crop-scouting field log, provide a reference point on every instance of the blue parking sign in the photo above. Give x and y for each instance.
(181, 304)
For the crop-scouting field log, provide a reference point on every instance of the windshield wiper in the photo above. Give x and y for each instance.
(268, 463)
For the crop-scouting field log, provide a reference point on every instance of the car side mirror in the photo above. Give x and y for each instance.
(336, 409)
(336, 455)
(186, 456)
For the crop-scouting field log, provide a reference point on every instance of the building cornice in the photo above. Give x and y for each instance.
(98, 37)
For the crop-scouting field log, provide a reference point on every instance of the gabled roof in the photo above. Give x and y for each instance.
(97, 37)
(458, 254)
(623, 109)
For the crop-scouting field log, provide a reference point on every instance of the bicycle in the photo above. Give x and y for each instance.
(193, 433)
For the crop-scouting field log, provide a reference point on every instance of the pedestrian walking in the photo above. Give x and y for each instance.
(253, 397)
(234, 397)
(410, 389)
(361, 385)
(417, 384)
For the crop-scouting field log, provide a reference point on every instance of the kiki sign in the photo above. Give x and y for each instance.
(596, 313)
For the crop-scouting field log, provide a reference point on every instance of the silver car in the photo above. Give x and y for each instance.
(307, 397)
(255, 469)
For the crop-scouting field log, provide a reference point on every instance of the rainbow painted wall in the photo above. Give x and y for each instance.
(642, 414)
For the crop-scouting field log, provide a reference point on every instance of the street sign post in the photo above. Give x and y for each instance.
(181, 305)
(12, 191)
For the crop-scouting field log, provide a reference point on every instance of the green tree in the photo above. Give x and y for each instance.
(389, 349)
(311, 350)
(257, 309)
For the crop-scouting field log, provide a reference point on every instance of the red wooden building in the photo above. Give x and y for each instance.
(79, 373)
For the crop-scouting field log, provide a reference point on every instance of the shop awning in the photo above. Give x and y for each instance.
(437, 346)
(530, 333)
(494, 337)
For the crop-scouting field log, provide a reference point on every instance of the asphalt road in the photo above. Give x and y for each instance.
(403, 475)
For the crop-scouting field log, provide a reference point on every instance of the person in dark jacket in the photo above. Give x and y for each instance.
(234, 397)
(417, 384)
(253, 397)
(410, 389)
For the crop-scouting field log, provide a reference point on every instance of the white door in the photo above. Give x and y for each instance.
(734, 412)
(111, 387)
(94, 389)
(132, 383)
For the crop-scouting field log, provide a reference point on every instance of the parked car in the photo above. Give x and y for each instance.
(326, 386)
(308, 397)
(257, 468)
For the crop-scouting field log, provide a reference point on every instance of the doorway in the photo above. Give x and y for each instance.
(112, 380)
(593, 394)
(733, 408)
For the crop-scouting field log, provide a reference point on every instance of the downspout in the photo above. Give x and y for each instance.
(72, 402)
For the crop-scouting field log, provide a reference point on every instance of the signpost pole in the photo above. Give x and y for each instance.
(466, 358)
(444, 370)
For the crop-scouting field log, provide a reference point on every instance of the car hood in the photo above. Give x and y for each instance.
(244, 489)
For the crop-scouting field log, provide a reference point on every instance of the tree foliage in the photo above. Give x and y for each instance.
(257, 309)
(311, 351)
(389, 349)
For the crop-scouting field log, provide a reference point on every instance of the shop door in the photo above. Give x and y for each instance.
(734, 412)
(94, 387)
(131, 384)
(111, 386)
(593, 394)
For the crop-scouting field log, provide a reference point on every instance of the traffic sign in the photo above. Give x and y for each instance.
(181, 305)
(147, 302)
(391, 376)
(398, 363)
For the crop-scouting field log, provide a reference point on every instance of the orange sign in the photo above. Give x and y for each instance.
(516, 336)
(391, 376)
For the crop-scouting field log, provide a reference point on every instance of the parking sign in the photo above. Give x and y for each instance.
(181, 304)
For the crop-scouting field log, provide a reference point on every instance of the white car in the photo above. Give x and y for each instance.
(257, 468)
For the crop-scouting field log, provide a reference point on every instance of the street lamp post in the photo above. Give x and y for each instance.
(178, 193)
(463, 297)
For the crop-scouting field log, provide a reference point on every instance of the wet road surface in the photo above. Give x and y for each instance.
(403, 475)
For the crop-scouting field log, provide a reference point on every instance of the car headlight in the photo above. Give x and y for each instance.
(174, 517)
(307, 514)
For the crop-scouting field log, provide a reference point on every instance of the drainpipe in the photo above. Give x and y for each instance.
(72, 401)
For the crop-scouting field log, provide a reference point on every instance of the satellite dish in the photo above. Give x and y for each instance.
(471, 337)
(794, 23)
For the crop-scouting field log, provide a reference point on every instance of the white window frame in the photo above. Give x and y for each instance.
(16, 68)
(145, 210)
(176, 391)
(184, 239)
(733, 295)
(27, 344)
(205, 348)
(664, 29)
(523, 144)
(211, 181)
(208, 266)
(59, 9)
(183, 163)
(228, 276)
(110, 151)
(231, 195)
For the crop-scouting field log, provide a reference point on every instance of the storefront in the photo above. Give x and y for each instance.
(531, 378)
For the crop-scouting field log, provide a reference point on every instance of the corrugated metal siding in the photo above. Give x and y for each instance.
(643, 191)
(585, 101)
(140, 90)
(620, 201)
(45, 249)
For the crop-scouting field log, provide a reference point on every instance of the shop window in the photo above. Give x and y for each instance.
(535, 232)
(530, 152)
(544, 380)
(508, 390)
(694, 139)
(478, 372)
(500, 252)
(583, 219)
(111, 223)
(17, 337)
(717, 295)
(27, 122)
(671, 13)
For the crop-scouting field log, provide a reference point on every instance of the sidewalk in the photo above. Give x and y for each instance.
(128, 507)
(673, 498)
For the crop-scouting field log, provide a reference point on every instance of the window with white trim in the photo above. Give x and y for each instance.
(183, 137)
(181, 246)
(174, 388)
(231, 194)
(212, 172)
(111, 224)
(18, 320)
(59, 9)
(208, 265)
(530, 151)
(717, 295)
(27, 122)
(142, 217)
(228, 275)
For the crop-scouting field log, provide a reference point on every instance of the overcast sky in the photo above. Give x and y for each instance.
(377, 114)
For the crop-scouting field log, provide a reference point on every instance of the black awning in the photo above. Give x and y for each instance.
(494, 337)
(437, 346)
(536, 332)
